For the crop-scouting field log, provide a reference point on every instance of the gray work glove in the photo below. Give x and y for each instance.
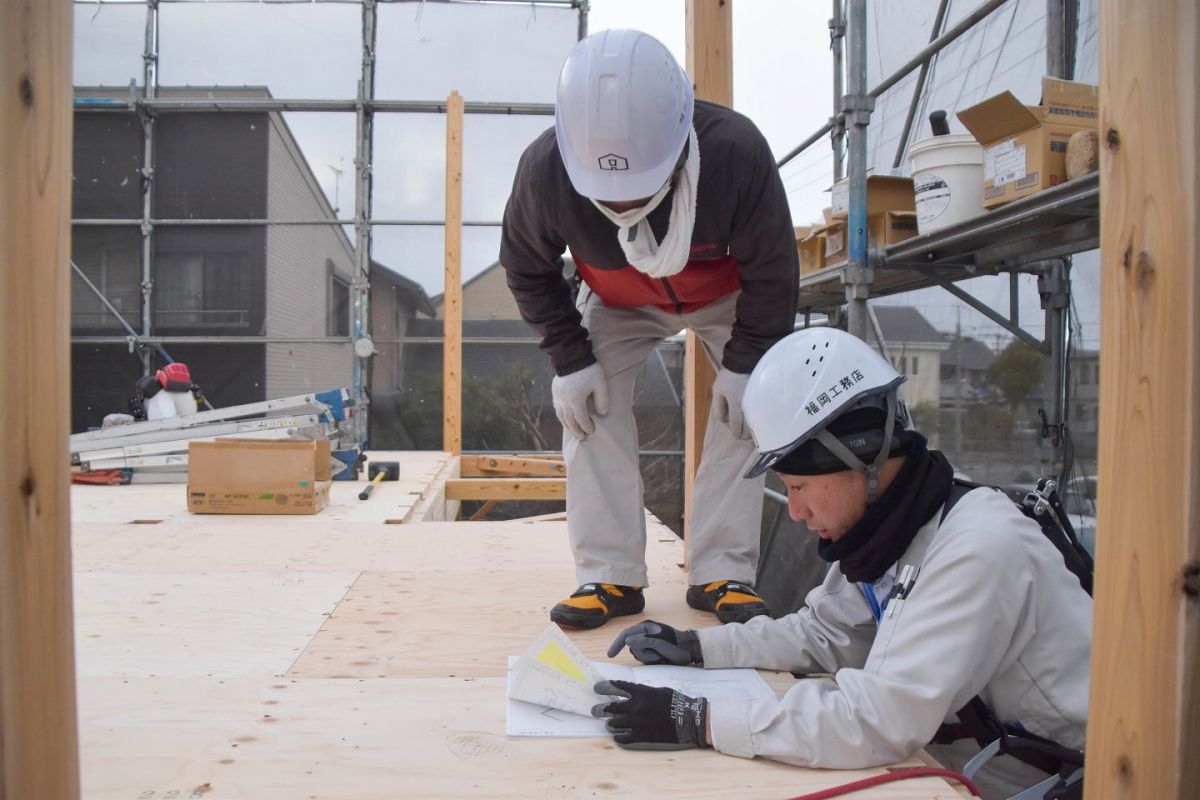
(571, 393)
(652, 718)
(727, 400)
(655, 643)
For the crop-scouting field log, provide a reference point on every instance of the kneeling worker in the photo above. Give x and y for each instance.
(929, 608)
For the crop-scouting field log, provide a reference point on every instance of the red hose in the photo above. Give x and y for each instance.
(889, 777)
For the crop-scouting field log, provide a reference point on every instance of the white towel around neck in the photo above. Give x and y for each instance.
(668, 257)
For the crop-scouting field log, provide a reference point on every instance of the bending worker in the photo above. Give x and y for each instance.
(932, 608)
(676, 217)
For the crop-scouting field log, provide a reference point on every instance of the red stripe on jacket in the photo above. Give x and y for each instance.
(699, 283)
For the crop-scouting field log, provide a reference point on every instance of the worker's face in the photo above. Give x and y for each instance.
(828, 504)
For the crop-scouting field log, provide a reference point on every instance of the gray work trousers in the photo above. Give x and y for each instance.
(605, 516)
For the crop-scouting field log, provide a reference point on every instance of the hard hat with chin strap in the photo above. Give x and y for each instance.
(623, 115)
(826, 385)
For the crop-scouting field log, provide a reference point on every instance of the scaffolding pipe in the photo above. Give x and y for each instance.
(939, 44)
(567, 3)
(150, 88)
(360, 286)
(933, 49)
(1054, 286)
(1062, 22)
(185, 223)
(857, 106)
(194, 104)
(938, 20)
(837, 123)
(338, 340)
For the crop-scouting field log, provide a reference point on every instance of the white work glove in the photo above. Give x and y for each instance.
(571, 393)
(727, 400)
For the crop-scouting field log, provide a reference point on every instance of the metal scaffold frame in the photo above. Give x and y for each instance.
(1035, 235)
(148, 105)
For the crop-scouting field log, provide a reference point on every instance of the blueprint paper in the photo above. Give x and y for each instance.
(525, 719)
(553, 673)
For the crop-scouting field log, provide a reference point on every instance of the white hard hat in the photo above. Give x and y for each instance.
(808, 380)
(624, 113)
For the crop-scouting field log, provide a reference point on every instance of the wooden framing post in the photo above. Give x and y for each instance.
(1144, 726)
(452, 298)
(709, 26)
(39, 748)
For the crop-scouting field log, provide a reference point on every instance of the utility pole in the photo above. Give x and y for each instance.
(958, 398)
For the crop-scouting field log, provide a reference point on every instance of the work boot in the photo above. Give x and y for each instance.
(731, 601)
(593, 603)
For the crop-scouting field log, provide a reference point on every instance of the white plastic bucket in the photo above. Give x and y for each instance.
(947, 180)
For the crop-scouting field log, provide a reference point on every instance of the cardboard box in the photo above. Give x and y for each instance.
(812, 249)
(834, 236)
(258, 476)
(1024, 147)
(891, 227)
(884, 193)
(883, 229)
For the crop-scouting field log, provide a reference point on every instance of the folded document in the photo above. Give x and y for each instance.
(550, 687)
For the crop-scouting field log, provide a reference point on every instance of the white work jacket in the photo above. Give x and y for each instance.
(993, 612)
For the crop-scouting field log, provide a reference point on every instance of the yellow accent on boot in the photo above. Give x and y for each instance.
(738, 597)
(593, 603)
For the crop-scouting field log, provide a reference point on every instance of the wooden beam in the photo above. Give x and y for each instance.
(710, 49)
(1145, 682)
(698, 377)
(452, 298)
(506, 489)
(472, 466)
(39, 748)
(483, 511)
(709, 26)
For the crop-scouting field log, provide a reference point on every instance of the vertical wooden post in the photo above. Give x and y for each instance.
(39, 749)
(1145, 691)
(710, 64)
(452, 299)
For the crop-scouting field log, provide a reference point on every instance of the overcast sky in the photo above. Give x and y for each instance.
(782, 80)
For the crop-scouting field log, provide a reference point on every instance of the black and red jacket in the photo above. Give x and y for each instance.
(743, 238)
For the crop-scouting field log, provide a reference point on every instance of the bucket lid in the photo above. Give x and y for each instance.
(964, 140)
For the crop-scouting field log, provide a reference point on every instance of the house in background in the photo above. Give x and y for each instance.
(395, 302)
(964, 370)
(1085, 399)
(487, 296)
(238, 279)
(915, 349)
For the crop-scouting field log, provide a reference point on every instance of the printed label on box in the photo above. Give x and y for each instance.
(1004, 163)
(839, 198)
(834, 244)
(990, 154)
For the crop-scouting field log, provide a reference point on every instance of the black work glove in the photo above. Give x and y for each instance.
(655, 643)
(652, 718)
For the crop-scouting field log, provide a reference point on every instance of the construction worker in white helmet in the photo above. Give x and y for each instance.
(943, 611)
(676, 218)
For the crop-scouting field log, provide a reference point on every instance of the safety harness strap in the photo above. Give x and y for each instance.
(979, 723)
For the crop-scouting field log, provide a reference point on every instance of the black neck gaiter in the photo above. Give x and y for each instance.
(877, 541)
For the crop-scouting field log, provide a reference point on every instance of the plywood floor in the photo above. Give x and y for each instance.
(343, 656)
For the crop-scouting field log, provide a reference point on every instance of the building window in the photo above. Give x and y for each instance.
(915, 364)
(903, 365)
(337, 313)
(111, 259)
(209, 280)
(205, 289)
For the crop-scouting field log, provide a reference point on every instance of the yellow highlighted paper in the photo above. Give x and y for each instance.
(553, 656)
